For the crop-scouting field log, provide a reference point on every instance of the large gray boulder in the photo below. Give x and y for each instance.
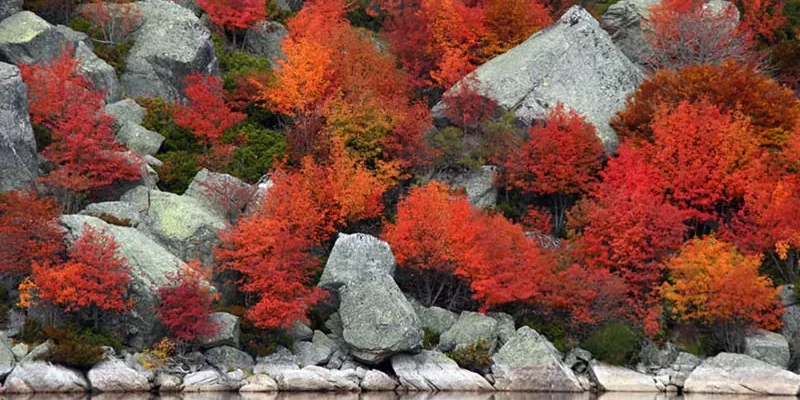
(170, 44)
(26, 38)
(573, 62)
(7, 356)
(44, 377)
(9, 8)
(377, 320)
(125, 111)
(184, 225)
(265, 38)
(469, 329)
(18, 160)
(529, 362)
(224, 194)
(612, 378)
(626, 22)
(226, 358)
(151, 266)
(434, 371)
(115, 376)
(769, 347)
(729, 373)
(355, 258)
(226, 331)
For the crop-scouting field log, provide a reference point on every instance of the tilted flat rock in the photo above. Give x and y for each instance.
(470, 328)
(43, 377)
(612, 378)
(223, 194)
(151, 267)
(19, 164)
(102, 75)
(729, 373)
(317, 379)
(184, 225)
(115, 376)
(139, 139)
(259, 383)
(208, 381)
(316, 352)
(125, 111)
(573, 62)
(625, 21)
(377, 381)
(377, 320)
(170, 44)
(529, 362)
(769, 347)
(26, 38)
(277, 362)
(114, 213)
(434, 371)
(435, 319)
(478, 183)
(355, 258)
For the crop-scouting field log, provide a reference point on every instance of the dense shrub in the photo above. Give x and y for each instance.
(258, 152)
(475, 357)
(615, 343)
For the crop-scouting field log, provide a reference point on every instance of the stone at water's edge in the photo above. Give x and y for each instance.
(151, 267)
(317, 352)
(43, 377)
(434, 371)
(280, 360)
(729, 373)
(8, 356)
(377, 381)
(573, 62)
(18, 160)
(529, 362)
(317, 379)
(115, 376)
(611, 378)
(769, 347)
(170, 44)
(227, 358)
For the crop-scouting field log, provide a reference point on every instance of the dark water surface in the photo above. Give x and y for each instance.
(392, 396)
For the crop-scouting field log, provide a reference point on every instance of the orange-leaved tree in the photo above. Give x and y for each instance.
(274, 247)
(335, 84)
(93, 278)
(185, 306)
(711, 283)
(29, 232)
(773, 109)
(559, 160)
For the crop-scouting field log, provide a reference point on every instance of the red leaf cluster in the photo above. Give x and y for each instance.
(234, 14)
(185, 307)
(29, 232)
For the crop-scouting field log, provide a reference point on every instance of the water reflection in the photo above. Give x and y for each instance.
(388, 396)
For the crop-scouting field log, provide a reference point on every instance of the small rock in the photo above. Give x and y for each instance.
(468, 330)
(301, 331)
(377, 381)
(126, 111)
(265, 38)
(167, 383)
(227, 358)
(318, 352)
(20, 350)
(274, 364)
(578, 359)
(259, 383)
(114, 212)
(139, 139)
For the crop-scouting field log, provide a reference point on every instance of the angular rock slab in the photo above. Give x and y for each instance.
(729, 373)
(115, 376)
(28, 39)
(227, 358)
(470, 328)
(43, 377)
(769, 347)
(528, 362)
(317, 379)
(377, 320)
(433, 371)
(573, 62)
(612, 378)
(226, 333)
(19, 164)
(170, 44)
(265, 38)
(377, 381)
(356, 258)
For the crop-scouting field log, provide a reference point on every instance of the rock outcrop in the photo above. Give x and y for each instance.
(170, 44)
(769, 347)
(434, 371)
(573, 62)
(377, 320)
(115, 376)
(18, 160)
(729, 373)
(151, 267)
(611, 378)
(528, 362)
(265, 38)
(43, 377)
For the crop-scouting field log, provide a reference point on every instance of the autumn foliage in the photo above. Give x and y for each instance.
(274, 247)
(93, 276)
(206, 112)
(335, 84)
(83, 149)
(712, 282)
(234, 14)
(185, 306)
(29, 232)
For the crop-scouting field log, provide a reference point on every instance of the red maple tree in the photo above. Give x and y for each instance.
(234, 14)
(185, 307)
(29, 232)
(206, 113)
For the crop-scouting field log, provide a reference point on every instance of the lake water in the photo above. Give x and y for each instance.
(391, 396)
